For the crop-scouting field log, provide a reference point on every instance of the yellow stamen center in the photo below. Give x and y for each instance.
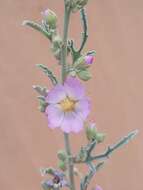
(67, 104)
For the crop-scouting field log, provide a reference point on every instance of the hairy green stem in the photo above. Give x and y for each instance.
(70, 162)
(64, 72)
(64, 45)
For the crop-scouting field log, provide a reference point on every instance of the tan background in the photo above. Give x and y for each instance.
(26, 143)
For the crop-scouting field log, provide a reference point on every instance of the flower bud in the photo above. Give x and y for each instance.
(89, 59)
(100, 137)
(62, 155)
(91, 132)
(62, 165)
(50, 18)
(84, 62)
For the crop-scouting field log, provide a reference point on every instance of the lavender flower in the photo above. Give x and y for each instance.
(68, 107)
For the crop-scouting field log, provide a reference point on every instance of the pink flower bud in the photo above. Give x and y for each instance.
(89, 59)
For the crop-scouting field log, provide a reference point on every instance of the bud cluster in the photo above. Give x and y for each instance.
(81, 67)
(92, 134)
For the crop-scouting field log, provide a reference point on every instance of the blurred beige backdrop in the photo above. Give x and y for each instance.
(116, 89)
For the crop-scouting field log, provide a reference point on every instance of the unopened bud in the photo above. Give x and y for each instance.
(50, 18)
(84, 62)
(62, 155)
(100, 137)
(62, 165)
(91, 132)
(89, 59)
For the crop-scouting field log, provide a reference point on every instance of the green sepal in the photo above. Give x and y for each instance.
(84, 75)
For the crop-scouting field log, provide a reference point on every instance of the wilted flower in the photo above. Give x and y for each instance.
(58, 181)
(68, 107)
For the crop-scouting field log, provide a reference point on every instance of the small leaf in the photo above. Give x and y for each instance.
(37, 27)
(41, 90)
(48, 73)
(42, 103)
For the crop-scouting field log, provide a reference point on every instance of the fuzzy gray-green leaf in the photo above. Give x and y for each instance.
(48, 73)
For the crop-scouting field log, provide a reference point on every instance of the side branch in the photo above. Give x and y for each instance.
(85, 29)
(111, 149)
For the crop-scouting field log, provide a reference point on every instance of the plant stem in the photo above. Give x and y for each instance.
(85, 28)
(70, 162)
(64, 45)
(125, 140)
(64, 72)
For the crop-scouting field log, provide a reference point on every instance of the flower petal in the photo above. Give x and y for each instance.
(82, 107)
(55, 115)
(56, 94)
(71, 123)
(74, 89)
